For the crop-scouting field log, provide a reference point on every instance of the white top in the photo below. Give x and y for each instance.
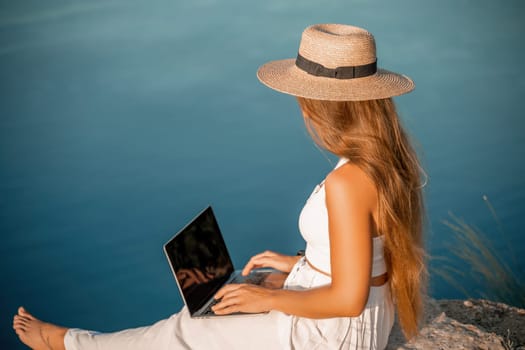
(313, 225)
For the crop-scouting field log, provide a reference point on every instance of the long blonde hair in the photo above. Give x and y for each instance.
(370, 135)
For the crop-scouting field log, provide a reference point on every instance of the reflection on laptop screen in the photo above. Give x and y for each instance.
(199, 259)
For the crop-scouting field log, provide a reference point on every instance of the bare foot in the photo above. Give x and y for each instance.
(36, 334)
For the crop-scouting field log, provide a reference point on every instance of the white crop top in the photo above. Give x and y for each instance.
(313, 225)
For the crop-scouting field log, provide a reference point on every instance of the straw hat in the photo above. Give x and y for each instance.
(335, 62)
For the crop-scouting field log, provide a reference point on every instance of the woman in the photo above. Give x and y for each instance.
(363, 225)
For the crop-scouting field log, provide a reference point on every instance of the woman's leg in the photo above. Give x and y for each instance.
(180, 331)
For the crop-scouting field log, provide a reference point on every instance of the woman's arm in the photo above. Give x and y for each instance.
(350, 199)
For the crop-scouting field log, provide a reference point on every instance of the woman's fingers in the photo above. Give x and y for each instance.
(233, 299)
(227, 289)
(271, 259)
(264, 259)
(226, 304)
(225, 310)
(229, 299)
(243, 298)
(279, 262)
(260, 262)
(252, 264)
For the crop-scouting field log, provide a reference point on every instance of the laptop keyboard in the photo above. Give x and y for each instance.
(254, 278)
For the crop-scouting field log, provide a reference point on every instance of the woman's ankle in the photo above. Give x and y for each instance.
(54, 336)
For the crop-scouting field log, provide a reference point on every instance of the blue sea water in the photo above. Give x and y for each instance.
(120, 120)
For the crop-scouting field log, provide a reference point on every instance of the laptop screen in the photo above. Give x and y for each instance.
(199, 259)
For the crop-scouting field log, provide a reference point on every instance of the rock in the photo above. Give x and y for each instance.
(502, 319)
(465, 324)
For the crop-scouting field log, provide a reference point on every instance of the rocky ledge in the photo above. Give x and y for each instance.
(466, 324)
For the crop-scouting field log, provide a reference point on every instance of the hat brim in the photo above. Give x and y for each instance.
(284, 76)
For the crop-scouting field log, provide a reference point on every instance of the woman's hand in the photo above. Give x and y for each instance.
(271, 259)
(247, 298)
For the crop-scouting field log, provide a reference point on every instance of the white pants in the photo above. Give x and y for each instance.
(180, 331)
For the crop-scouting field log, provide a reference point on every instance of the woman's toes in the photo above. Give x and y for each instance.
(19, 323)
(23, 312)
(18, 317)
(19, 332)
(17, 326)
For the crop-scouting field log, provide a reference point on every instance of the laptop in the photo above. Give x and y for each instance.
(202, 265)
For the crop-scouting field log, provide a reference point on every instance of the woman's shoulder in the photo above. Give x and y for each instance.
(350, 182)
